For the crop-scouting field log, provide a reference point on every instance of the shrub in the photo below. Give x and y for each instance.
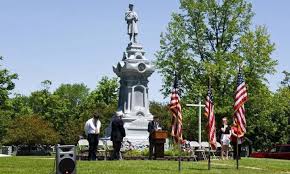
(31, 131)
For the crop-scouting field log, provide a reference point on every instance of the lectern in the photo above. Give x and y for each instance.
(159, 138)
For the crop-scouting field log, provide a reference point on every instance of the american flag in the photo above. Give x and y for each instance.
(241, 96)
(176, 121)
(209, 113)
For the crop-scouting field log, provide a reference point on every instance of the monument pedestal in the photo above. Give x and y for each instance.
(134, 70)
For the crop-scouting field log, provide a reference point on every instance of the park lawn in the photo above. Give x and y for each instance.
(43, 165)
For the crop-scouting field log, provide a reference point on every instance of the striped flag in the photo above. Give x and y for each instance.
(209, 113)
(176, 121)
(241, 96)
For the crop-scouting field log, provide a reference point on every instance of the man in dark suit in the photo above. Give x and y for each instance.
(153, 126)
(117, 134)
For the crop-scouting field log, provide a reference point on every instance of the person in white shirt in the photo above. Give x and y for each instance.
(225, 138)
(92, 130)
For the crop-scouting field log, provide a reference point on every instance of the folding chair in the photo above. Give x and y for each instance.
(83, 147)
(198, 150)
(101, 149)
(205, 145)
(192, 147)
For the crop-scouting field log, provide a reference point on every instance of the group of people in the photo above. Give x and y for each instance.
(92, 131)
(230, 135)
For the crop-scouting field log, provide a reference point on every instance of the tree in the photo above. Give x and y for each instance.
(74, 93)
(6, 86)
(53, 108)
(161, 111)
(50, 107)
(106, 91)
(32, 131)
(286, 80)
(212, 39)
(19, 105)
(72, 132)
(103, 100)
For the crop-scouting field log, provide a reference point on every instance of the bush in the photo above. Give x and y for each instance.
(145, 152)
(133, 153)
(72, 132)
(175, 152)
(31, 131)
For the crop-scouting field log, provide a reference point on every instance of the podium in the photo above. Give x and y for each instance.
(159, 138)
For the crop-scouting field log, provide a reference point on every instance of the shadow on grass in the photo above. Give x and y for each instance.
(164, 169)
(206, 168)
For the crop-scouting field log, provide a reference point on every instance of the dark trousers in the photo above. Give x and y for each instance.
(235, 150)
(93, 144)
(116, 153)
(151, 149)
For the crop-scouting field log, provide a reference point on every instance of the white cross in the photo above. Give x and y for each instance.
(199, 117)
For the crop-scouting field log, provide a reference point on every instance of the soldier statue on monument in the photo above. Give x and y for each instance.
(131, 17)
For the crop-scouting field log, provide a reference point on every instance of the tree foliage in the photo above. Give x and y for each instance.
(211, 39)
(286, 81)
(74, 93)
(103, 99)
(6, 86)
(31, 130)
(65, 110)
(161, 111)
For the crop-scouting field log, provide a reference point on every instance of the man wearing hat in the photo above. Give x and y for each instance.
(92, 130)
(153, 125)
(131, 17)
(117, 134)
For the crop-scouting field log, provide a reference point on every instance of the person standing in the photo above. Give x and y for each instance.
(236, 139)
(117, 134)
(92, 131)
(225, 138)
(153, 125)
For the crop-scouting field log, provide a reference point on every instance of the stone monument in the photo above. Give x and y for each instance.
(133, 71)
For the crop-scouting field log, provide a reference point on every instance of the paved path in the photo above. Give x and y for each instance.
(3, 155)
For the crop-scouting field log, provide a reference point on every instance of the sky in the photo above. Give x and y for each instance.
(73, 41)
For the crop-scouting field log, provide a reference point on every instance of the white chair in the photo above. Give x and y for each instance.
(109, 147)
(193, 146)
(205, 146)
(101, 149)
(197, 149)
(83, 147)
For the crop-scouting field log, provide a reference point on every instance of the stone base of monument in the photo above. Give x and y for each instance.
(136, 132)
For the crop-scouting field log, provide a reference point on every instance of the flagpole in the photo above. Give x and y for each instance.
(209, 146)
(237, 154)
(209, 156)
(179, 156)
(175, 86)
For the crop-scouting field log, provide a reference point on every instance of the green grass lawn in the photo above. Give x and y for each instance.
(41, 165)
